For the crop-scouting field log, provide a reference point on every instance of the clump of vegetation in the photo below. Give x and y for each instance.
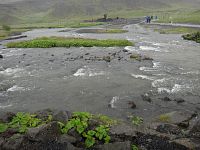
(134, 147)
(136, 57)
(136, 120)
(80, 122)
(48, 42)
(23, 121)
(3, 127)
(164, 118)
(194, 37)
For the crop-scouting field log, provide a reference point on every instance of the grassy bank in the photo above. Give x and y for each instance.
(5, 34)
(194, 37)
(48, 42)
(179, 16)
(177, 30)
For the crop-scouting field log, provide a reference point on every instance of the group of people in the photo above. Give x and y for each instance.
(149, 18)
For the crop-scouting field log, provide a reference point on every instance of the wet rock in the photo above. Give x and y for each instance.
(75, 134)
(9, 133)
(66, 139)
(107, 58)
(180, 118)
(146, 58)
(166, 99)
(46, 133)
(87, 54)
(61, 116)
(179, 100)
(115, 146)
(52, 55)
(195, 131)
(13, 143)
(44, 114)
(1, 56)
(157, 142)
(125, 51)
(6, 117)
(188, 143)
(51, 60)
(136, 57)
(146, 97)
(132, 104)
(168, 129)
(123, 130)
(24, 54)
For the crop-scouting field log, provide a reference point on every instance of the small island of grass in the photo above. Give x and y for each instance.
(194, 37)
(48, 42)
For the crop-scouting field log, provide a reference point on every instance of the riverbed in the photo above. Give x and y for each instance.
(75, 79)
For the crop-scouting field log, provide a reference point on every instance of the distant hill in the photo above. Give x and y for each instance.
(16, 11)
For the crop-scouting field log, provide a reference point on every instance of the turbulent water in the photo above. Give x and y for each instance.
(33, 79)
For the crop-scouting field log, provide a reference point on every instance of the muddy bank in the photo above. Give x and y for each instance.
(122, 135)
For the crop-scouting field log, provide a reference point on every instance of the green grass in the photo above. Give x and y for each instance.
(179, 16)
(177, 30)
(194, 37)
(164, 118)
(5, 34)
(85, 24)
(48, 42)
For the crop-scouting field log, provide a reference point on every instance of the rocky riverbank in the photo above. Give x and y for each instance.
(60, 130)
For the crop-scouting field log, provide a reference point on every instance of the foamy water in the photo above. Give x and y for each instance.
(142, 77)
(16, 88)
(10, 71)
(86, 71)
(113, 101)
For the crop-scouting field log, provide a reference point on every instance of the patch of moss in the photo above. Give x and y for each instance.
(164, 118)
(136, 57)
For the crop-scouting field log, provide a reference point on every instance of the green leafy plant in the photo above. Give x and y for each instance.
(134, 147)
(23, 121)
(3, 127)
(136, 120)
(80, 122)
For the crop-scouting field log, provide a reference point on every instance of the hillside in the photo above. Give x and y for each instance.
(33, 11)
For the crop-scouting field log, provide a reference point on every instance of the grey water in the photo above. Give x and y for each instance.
(67, 78)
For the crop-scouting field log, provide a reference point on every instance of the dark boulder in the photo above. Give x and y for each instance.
(6, 116)
(166, 99)
(1, 56)
(61, 116)
(132, 104)
(168, 129)
(146, 97)
(46, 133)
(179, 100)
(115, 146)
(13, 143)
